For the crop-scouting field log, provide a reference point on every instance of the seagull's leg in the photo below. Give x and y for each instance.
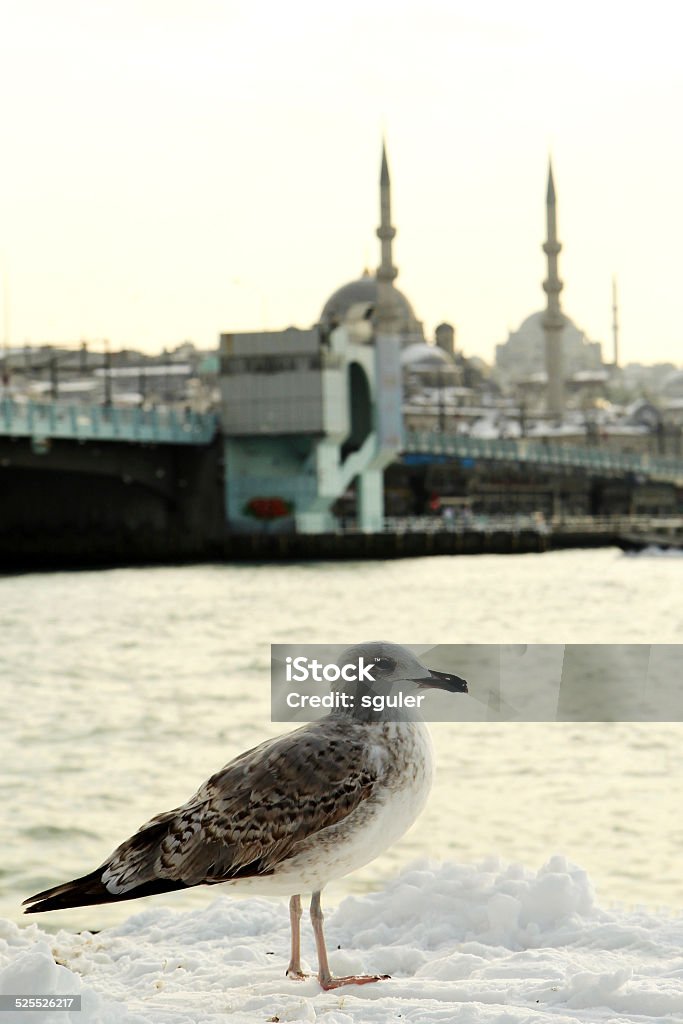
(324, 975)
(294, 969)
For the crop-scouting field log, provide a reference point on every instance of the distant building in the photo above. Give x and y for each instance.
(548, 347)
(372, 305)
(375, 297)
(522, 354)
(358, 300)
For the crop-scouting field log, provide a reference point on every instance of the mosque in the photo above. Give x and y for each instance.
(546, 357)
(548, 354)
(375, 300)
(522, 354)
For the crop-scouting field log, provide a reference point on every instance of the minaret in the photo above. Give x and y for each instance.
(553, 320)
(386, 271)
(615, 323)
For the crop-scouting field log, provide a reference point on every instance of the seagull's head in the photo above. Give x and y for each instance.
(380, 670)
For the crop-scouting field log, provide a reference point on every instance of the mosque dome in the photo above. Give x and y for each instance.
(421, 356)
(359, 293)
(523, 354)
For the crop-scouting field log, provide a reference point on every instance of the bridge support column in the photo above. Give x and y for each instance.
(557, 502)
(371, 500)
(315, 522)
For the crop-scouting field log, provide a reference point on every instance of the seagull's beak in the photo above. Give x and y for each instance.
(442, 681)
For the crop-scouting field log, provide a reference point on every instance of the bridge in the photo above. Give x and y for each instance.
(43, 420)
(428, 446)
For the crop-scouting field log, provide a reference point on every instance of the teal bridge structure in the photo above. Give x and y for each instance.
(430, 446)
(41, 421)
(54, 420)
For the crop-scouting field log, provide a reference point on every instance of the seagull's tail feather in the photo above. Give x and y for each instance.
(89, 890)
(134, 861)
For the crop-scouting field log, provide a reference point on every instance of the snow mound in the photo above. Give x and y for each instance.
(485, 944)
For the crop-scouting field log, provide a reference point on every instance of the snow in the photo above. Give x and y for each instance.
(465, 944)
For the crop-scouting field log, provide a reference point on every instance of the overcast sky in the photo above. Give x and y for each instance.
(174, 169)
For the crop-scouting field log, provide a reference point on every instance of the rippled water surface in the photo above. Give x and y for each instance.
(122, 690)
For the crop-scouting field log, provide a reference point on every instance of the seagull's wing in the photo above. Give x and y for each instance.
(256, 812)
(244, 821)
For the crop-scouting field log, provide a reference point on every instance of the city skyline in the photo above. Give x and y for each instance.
(169, 175)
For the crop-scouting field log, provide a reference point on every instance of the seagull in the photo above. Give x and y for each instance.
(293, 813)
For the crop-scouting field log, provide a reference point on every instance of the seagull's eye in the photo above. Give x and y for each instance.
(385, 664)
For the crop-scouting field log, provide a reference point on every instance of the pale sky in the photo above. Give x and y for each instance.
(171, 170)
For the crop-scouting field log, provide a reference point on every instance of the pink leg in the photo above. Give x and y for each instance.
(294, 970)
(324, 975)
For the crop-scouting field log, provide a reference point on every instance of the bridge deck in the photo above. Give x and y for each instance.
(552, 456)
(41, 420)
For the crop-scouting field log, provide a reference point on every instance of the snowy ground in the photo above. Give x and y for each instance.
(491, 944)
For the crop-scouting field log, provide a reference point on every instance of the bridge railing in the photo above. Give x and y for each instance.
(552, 455)
(491, 523)
(461, 524)
(106, 423)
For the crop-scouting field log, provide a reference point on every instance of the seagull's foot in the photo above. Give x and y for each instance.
(296, 974)
(352, 979)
